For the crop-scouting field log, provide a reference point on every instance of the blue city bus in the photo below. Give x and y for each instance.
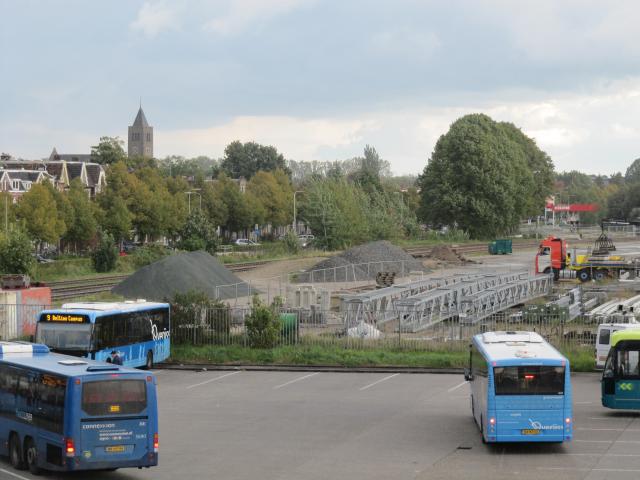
(63, 413)
(137, 331)
(520, 388)
(621, 376)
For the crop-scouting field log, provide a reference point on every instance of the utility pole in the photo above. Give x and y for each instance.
(295, 223)
(6, 213)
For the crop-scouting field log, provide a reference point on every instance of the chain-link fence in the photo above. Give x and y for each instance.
(309, 327)
(18, 321)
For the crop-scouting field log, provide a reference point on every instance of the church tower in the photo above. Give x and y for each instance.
(140, 137)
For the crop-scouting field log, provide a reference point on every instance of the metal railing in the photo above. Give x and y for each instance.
(18, 321)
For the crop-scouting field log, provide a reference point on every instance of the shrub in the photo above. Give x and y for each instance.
(15, 252)
(263, 325)
(105, 256)
(291, 242)
(148, 254)
(195, 316)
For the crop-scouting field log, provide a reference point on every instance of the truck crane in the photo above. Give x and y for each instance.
(598, 263)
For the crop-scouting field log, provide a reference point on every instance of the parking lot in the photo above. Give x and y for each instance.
(309, 425)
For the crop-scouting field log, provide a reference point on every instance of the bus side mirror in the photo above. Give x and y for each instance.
(608, 373)
(468, 376)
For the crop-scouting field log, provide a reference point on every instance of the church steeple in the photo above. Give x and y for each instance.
(140, 136)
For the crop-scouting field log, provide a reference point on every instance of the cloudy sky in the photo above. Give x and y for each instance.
(319, 79)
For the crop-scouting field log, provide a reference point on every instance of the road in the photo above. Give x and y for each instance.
(302, 426)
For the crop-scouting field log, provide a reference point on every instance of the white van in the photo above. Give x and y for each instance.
(603, 341)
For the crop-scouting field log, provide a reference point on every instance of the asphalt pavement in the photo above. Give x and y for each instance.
(325, 425)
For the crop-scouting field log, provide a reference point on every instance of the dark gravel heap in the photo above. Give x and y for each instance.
(347, 266)
(181, 273)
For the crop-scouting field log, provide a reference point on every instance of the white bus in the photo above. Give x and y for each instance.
(603, 340)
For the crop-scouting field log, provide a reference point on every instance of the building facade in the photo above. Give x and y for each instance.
(140, 139)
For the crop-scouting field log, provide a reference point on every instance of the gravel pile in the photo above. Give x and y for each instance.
(351, 265)
(447, 254)
(181, 273)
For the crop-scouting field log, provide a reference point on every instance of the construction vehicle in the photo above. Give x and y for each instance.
(597, 263)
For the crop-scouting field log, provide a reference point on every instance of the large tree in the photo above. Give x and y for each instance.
(481, 177)
(109, 150)
(39, 211)
(82, 226)
(274, 192)
(246, 159)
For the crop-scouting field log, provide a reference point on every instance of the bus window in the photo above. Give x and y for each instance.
(529, 380)
(110, 397)
(628, 363)
(605, 335)
(69, 337)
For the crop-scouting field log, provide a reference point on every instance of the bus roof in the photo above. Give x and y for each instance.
(96, 309)
(37, 356)
(519, 346)
(621, 335)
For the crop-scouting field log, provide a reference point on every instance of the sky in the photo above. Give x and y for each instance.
(320, 79)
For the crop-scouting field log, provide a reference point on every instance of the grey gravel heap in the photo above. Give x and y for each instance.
(181, 273)
(362, 263)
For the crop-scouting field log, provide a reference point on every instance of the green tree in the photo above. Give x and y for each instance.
(275, 193)
(83, 225)
(198, 233)
(105, 256)
(15, 252)
(478, 178)
(632, 174)
(263, 325)
(239, 214)
(38, 210)
(108, 151)
(246, 159)
(117, 218)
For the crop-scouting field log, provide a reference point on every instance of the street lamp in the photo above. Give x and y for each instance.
(295, 224)
(189, 196)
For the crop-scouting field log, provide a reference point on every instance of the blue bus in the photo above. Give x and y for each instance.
(520, 388)
(133, 333)
(63, 413)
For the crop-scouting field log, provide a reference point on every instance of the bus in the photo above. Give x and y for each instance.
(620, 382)
(520, 388)
(137, 333)
(63, 413)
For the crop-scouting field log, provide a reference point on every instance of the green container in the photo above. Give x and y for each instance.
(501, 246)
(289, 327)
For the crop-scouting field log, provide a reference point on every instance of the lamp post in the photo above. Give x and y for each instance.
(295, 224)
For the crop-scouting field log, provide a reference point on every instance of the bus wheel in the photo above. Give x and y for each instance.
(584, 275)
(31, 452)
(149, 363)
(482, 429)
(15, 452)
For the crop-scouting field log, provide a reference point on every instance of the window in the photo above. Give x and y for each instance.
(628, 363)
(51, 394)
(529, 380)
(605, 334)
(64, 336)
(109, 397)
(478, 363)
(148, 136)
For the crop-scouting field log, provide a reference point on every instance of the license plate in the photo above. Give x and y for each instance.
(115, 449)
(530, 431)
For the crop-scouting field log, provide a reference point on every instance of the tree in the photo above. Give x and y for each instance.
(239, 214)
(7, 209)
(246, 159)
(198, 233)
(274, 192)
(15, 252)
(105, 256)
(263, 325)
(38, 210)
(117, 218)
(108, 151)
(83, 225)
(632, 174)
(479, 178)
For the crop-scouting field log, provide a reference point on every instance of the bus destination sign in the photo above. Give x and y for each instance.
(64, 317)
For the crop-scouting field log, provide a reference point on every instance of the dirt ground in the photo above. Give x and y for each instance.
(273, 269)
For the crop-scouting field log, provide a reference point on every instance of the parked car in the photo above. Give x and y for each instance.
(245, 242)
(305, 240)
(40, 259)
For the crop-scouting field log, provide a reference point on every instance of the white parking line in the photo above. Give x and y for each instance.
(212, 380)
(379, 381)
(295, 380)
(13, 474)
(457, 386)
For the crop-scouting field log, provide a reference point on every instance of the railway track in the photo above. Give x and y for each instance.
(473, 248)
(68, 289)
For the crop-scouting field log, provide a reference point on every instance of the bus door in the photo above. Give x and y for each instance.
(621, 377)
(119, 423)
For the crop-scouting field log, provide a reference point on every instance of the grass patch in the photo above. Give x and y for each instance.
(581, 359)
(77, 268)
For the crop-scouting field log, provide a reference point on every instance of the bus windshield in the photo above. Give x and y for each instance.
(65, 337)
(529, 380)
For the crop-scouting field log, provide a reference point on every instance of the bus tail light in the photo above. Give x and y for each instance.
(69, 447)
(156, 443)
(567, 420)
(492, 421)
